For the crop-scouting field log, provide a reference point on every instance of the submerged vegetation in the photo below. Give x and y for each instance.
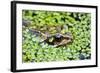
(38, 25)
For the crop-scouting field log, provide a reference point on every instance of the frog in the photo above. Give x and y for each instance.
(60, 39)
(56, 40)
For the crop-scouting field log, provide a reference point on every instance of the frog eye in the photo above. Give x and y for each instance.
(58, 36)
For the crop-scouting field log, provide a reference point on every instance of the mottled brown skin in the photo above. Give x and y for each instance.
(63, 40)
